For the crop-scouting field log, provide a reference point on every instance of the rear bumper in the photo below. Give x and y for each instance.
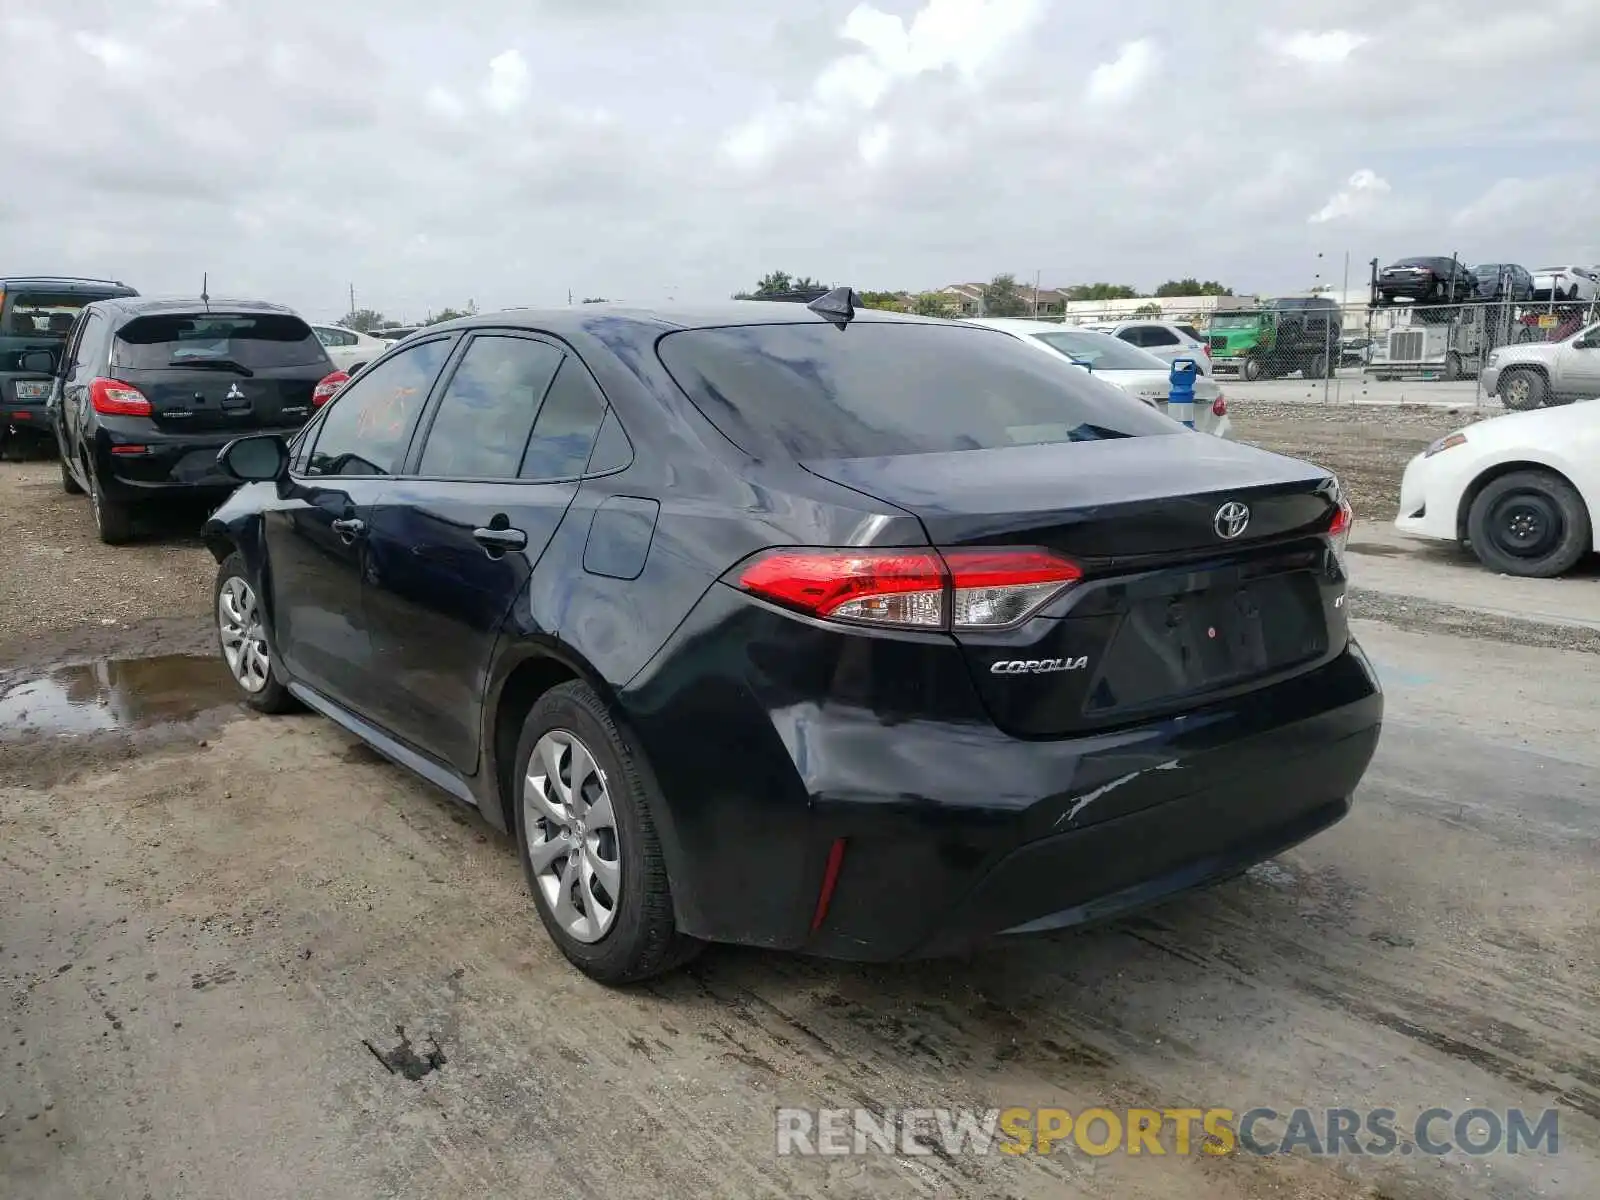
(167, 464)
(1416, 289)
(954, 832)
(26, 416)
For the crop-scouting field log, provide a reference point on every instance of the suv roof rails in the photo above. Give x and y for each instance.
(59, 279)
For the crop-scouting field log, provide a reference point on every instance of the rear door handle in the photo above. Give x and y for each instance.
(349, 528)
(500, 539)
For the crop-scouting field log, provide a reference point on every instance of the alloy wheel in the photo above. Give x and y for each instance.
(244, 641)
(1518, 391)
(574, 844)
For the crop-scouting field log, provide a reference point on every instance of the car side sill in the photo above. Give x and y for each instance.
(440, 777)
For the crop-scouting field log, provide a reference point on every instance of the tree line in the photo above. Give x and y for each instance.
(1003, 296)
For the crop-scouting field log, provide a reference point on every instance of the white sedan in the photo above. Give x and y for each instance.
(1137, 372)
(349, 350)
(1521, 490)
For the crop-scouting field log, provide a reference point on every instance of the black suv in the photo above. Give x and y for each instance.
(1427, 280)
(150, 390)
(36, 313)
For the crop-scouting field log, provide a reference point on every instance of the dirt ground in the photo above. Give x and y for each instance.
(214, 926)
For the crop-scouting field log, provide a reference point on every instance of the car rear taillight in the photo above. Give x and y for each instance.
(328, 388)
(1206, 346)
(993, 588)
(1344, 519)
(911, 589)
(1219, 406)
(115, 398)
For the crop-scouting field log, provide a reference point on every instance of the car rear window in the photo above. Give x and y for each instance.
(1101, 351)
(260, 341)
(41, 314)
(1190, 331)
(811, 391)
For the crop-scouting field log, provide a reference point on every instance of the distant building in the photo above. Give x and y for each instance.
(967, 298)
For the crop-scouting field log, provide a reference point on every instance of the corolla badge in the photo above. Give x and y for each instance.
(1232, 519)
(1037, 666)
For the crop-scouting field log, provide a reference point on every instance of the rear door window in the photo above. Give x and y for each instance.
(810, 391)
(568, 422)
(1158, 335)
(483, 422)
(256, 341)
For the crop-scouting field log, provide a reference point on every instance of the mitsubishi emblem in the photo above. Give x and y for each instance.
(234, 393)
(1232, 519)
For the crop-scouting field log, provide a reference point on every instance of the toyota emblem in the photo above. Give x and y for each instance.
(1232, 519)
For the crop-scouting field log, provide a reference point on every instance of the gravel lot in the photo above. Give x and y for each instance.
(214, 923)
(1368, 448)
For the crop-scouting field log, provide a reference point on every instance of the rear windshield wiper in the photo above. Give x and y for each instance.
(222, 364)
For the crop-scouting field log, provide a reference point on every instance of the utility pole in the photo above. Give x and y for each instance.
(1037, 276)
(352, 307)
(569, 297)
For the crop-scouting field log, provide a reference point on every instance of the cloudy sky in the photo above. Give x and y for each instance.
(510, 150)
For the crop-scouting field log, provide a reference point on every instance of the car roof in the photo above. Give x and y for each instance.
(667, 318)
(146, 306)
(1014, 324)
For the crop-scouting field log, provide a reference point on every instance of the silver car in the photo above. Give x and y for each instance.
(1135, 371)
(1538, 373)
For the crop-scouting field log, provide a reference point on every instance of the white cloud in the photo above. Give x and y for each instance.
(873, 144)
(1359, 197)
(1326, 46)
(1116, 81)
(112, 54)
(509, 82)
(445, 102)
(964, 36)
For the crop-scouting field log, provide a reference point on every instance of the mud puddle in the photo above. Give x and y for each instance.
(111, 696)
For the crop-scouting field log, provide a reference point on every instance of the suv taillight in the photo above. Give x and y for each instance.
(118, 399)
(911, 589)
(328, 388)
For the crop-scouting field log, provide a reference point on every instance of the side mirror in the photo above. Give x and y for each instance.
(261, 458)
(38, 362)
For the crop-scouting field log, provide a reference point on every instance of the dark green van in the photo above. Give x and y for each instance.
(37, 312)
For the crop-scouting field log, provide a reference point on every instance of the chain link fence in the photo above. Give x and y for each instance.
(1316, 337)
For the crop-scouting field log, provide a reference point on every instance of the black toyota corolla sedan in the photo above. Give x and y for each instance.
(803, 626)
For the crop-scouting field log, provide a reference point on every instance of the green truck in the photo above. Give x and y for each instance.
(1280, 337)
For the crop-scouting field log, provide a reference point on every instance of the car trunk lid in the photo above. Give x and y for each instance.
(1185, 598)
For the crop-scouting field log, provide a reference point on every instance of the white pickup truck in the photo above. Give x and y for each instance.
(1539, 373)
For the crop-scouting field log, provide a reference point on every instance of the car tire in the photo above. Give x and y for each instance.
(242, 639)
(1452, 367)
(1523, 389)
(1252, 368)
(112, 521)
(1529, 523)
(69, 481)
(569, 847)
